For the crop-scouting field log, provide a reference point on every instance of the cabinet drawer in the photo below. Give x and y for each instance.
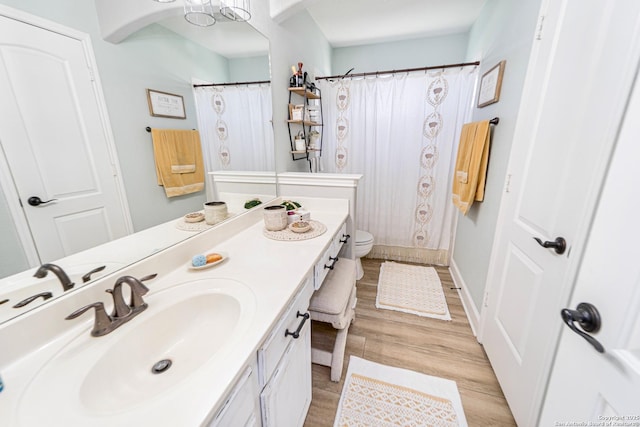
(240, 408)
(272, 349)
(322, 267)
(341, 238)
(329, 257)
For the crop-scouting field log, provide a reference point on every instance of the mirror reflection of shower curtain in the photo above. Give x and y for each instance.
(401, 132)
(314, 162)
(235, 127)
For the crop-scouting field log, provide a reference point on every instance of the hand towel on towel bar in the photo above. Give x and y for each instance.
(184, 158)
(471, 165)
(167, 144)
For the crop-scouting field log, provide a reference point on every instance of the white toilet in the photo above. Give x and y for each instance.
(362, 246)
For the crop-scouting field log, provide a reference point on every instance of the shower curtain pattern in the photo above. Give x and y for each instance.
(218, 105)
(235, 127)
(342, 125)
(431, 127)
(401, 132)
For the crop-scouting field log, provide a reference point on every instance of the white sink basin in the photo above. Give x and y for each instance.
(194, 325)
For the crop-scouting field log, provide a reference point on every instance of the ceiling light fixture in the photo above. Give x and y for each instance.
(235, 10)
(199, 12)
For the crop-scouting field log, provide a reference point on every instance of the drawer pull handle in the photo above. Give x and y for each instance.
(333, 264)
(345, 238)
(296, 334)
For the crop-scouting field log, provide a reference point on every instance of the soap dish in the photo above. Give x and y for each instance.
(209, 259)
(300, 226)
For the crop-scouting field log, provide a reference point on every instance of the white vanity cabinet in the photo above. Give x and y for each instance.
(241, 407)
(260, 377)
(330, 256)
(285, 365)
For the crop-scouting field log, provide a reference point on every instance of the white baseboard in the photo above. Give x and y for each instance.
(467, 303)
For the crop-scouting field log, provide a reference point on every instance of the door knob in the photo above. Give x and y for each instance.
(588, 318)
(36, 201)
(559, 245)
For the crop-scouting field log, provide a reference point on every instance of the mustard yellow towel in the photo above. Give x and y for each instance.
(183, 158)
(471, 165)
(171, 148)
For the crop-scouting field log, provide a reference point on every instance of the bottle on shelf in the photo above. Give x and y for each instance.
(298, 77)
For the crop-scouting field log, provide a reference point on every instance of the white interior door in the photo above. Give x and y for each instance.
(54, 137)
(580, 74)
(586, 385)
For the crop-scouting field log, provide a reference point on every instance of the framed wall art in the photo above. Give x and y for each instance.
(490, 85)
(163, 104)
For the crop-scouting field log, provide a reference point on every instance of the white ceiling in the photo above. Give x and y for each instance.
(355, 22)
(344, 23)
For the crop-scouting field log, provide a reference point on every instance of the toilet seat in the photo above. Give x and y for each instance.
(362, 246)
(363, 238)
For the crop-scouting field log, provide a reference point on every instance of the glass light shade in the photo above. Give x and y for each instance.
(235, 10)
(199, 12)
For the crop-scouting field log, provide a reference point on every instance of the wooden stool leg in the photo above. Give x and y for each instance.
(338, 354)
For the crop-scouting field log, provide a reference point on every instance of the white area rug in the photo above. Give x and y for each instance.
(384, 396)
(411, 289)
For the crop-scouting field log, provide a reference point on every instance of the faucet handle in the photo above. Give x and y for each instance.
(102, 321)
(137, 291)
(87, 276)
(45, 296)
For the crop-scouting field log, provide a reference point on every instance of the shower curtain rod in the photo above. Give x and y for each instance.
(405, 70)
(234, 84)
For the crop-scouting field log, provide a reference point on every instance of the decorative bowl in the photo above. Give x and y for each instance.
(300, 227)
(194, 217)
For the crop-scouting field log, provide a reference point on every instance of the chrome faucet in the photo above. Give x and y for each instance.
(122, 312)
(58, 271)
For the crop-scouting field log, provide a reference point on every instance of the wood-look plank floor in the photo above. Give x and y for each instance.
(445, 349)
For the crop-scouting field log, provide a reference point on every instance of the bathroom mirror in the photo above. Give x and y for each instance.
(242, 56)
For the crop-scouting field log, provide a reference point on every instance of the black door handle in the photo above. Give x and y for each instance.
(588, 318)
(559, 245)
(36, 201)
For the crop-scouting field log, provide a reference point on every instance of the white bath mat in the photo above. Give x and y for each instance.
(384, 396)
(411, 289)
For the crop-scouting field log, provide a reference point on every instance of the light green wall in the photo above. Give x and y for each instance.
(421, 52)
(255, 68)
(155, 58)
(504, 31)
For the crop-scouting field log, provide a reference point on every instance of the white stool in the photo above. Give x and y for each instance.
(335, 303)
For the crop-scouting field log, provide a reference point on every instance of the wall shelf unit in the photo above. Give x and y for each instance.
(305, 122)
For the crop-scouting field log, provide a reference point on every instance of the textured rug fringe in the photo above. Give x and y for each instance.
(417, 255)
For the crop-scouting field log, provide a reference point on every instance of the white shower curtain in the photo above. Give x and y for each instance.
(235, 127)
(401, 132)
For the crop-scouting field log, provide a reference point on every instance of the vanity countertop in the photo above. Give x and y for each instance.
(272, 270)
